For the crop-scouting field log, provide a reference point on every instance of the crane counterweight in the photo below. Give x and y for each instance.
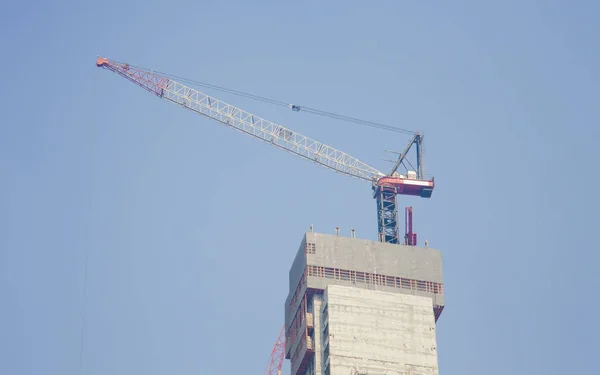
(407, 186)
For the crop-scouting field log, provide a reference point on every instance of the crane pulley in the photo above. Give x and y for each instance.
(385, 186)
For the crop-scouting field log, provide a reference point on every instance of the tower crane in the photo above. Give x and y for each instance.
(385, 186)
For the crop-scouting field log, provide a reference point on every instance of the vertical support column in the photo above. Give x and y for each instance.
(410, 238)
(387, 214)
(317, 304)
(418, 142)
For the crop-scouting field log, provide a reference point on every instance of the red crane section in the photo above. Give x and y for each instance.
(145, 79)
(277, 355)
(410, 238)
(408, 186)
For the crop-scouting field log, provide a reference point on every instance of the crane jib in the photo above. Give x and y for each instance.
(248, 123)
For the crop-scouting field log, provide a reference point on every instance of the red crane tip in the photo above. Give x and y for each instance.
(101, 61)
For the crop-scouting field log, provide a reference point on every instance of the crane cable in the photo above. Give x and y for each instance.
(83, 310)
(295, 108)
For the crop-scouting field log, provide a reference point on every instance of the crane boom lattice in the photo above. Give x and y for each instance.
(277, 354)
(243, 121)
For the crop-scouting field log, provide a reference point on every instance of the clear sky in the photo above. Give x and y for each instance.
(189, 228)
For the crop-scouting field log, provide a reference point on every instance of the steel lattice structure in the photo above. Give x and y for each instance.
(277, 355)
(246, 122)
(385, 186)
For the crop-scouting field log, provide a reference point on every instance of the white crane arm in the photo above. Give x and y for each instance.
(245, 122)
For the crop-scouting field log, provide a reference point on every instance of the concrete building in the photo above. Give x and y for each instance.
(358, 307)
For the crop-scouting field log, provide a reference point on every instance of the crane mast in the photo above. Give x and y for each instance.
(386, 187)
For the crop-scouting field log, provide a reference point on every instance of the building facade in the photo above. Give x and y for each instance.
(357, 306)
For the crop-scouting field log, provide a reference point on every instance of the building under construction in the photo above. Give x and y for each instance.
(354, 306)
(362, 307)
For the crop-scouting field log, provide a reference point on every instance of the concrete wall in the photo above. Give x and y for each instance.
(295, 274)
(378, 333)
(317, 307)
(412, 262)
(297, 266)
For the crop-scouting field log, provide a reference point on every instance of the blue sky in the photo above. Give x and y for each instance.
(189, 228)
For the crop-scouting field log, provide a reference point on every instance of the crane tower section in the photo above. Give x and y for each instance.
(386, 187)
